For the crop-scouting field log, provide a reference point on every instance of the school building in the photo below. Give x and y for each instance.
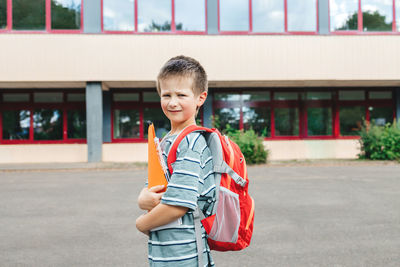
(77, 77)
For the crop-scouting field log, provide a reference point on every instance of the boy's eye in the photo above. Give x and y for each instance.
(181, 95)
(165, 95)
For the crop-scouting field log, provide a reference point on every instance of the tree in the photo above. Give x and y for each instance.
(372, 21)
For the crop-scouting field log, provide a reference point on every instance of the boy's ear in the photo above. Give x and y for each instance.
(202, 98)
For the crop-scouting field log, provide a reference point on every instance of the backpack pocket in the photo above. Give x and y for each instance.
(227, 217)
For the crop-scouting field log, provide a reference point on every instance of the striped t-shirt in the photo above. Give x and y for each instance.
(191, 185)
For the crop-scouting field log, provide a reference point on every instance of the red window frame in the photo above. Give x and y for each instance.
(302, 105)
(31, 106)
(173, 26)
(359, 30)
(285, 32)
(47, 29)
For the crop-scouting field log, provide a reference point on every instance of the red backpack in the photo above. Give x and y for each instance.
(230, 225)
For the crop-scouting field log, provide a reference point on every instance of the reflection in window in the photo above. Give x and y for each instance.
(48, 97)
(190, 15)
(227, 97)
(256, 96)
(302, 15)
(126, 124)
(125, 97)
(3, 14)
(258, 119)
(154, 15)
(151, 97)
(16, 125)
(28, 15)
(351, 95)
(380, 95)
(66, 14)
(343, 15)
(76, 97)
(381, 115)
(286, 96)
(225, 116)
(157, 117)
(397, 4)
(234, 15)
(16, 97)
(351, 119)
(268, 16)
(119, 15)
(377, 15)
(76, 124)
(48, 124)
(319, 95)
(286, 122)
(319, 121)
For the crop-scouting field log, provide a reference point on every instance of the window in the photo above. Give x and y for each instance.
(190, 15)
(3, 14)
(29, 15)
(234, 15)
(344, 15)
(43, 116)
(377, 15)
(302, 15)
(286, 122)
(351, 119)
(157, 117)
(397, 4)
(126, 124)
(268, 16)
(319, 121)
(227, 116)
(66, 14)
(119, 15)
(258, 119)
(351, 95)
(154, 15)
(381, 115)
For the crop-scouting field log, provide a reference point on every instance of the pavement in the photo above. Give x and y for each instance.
(314, 213)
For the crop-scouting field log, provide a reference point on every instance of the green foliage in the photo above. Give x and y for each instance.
(65, 18)
(372, 21)
(380, 142)
(250, 144)
(3, 14)
(29, 15)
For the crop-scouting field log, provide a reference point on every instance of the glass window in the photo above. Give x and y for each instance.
(154, 15)
(351, 119)
(268, 16)
(156, 116)
(225, 116)
(16, 97)
(286, 122)
(29, 15)
(190, 15)
(48, 124)
(351, 95)
(381, 115)
(66, 14)
(344, 15)
(380, 95)
(3, 14)
(119, 15)
(256, 96)
(76, 124)
(151, 97)
(319, 121)
(319, 95)
(227, 97)
(258, 119)
(76, 97)
(125, 97)
(16, 124)
(234, 15)
(397, 4)
(377, 15)
(126, 124)
(286, 96)
(302, 15)
(48, 97)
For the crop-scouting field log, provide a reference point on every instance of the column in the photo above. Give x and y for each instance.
(323, 16)
(212, 16)
(94, 121)
(92, 16)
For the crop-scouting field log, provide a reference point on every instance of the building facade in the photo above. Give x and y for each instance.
(77, 77)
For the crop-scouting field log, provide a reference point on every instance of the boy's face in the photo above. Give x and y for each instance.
(178, 101)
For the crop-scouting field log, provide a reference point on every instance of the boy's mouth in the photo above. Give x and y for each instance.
(174, 110)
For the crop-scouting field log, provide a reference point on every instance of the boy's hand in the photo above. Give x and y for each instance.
(138, 226)
(149, 198)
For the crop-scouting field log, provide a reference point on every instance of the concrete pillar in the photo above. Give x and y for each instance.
(207, 111)
(94, 121)
(323, 16)
(212, 16)
(107, 116)
(92, 16)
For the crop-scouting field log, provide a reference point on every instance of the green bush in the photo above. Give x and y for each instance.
(380, 142)
(250, 144)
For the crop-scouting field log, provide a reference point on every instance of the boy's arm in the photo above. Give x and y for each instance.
(149, 198)
(159, 215)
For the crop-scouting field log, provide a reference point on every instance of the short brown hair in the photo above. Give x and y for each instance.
(182, 66)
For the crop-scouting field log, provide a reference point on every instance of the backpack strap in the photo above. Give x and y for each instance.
(199, 238)
(172, 152)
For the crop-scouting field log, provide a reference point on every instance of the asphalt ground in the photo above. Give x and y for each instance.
(330, 214)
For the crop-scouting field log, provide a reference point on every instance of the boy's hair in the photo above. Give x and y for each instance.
(182, 66)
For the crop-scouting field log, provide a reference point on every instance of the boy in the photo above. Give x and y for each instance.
(182, 86)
